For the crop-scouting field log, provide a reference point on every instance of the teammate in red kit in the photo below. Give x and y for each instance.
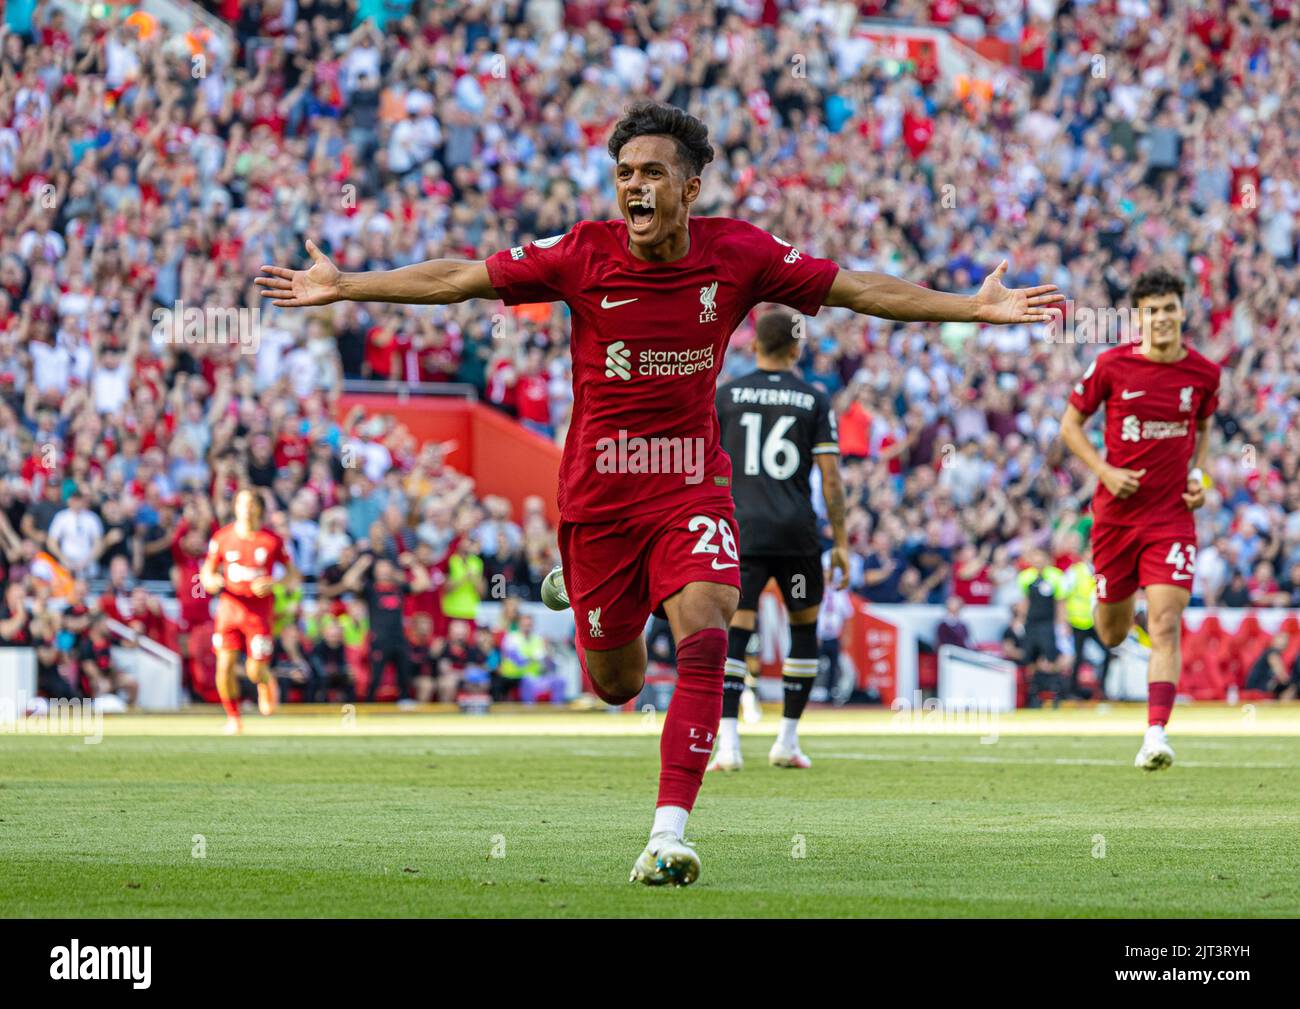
(646, 520)
(241, 559)
(1159, 396)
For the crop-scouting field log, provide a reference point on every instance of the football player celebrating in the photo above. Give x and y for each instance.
(774, 424)
(1159, 395)
(241, 558)
(653, 298)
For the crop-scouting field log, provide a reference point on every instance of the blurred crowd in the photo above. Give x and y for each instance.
(141, 171)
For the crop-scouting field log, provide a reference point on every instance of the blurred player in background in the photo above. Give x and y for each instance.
(1159, 396)
(241, 559)
(774, 424)
(835, 611)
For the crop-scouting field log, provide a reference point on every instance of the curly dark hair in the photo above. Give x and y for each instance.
(1157, 282)
(647, 118)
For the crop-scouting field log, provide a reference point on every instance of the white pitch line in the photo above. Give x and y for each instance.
(1062, 761)
(606, 753)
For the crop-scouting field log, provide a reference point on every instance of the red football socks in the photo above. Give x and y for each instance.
(692, 719)
(1160, 701)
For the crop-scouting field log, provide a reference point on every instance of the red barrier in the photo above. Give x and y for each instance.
(1215, 660)
(513, 462)
(503, 457)
(873, 643)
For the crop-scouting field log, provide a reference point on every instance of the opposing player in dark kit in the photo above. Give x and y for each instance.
(774, 425)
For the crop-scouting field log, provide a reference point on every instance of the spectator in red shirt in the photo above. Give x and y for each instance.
(145, 615)
(1264, 589)
(971, 582)
(532, 395)
(384, 352)
(189, 547)
(116, 599)
(502, 383)
(918, 129)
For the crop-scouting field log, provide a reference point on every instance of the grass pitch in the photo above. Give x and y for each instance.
(542, 814)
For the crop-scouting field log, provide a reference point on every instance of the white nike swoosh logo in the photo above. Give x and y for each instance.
(719, 567)
(1132, 395)
(696, 749)
(606, 303)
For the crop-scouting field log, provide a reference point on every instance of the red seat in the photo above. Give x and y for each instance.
(358, 657)
(927, 671)
(1022, 687)
(1249, 626)
(1203, 665)
(1290, 626)
(1199, 676)
(1235, 653)
(1242, 649)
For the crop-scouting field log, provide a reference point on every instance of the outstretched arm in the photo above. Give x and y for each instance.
(888, 297)
(434, 282)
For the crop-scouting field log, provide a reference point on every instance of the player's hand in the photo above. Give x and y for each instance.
(1195, 496)
(212, 584)
(1122, 482)
(262, 586)
(1002, 306)
(840, 564)
(317, 285)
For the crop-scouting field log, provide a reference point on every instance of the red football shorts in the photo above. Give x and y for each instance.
(244, 625)
(617, 573)
(1128, 557)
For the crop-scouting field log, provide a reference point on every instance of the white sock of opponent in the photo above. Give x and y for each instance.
(729, 734)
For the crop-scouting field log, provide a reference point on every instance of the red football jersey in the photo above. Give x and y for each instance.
(647, 341)
(240, 561)
(1151, 415)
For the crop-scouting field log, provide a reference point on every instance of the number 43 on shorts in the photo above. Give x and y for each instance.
(1182, 558)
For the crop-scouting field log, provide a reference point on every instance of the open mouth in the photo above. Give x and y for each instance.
(640, 215)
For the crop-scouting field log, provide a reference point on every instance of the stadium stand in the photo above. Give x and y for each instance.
(151, 159)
